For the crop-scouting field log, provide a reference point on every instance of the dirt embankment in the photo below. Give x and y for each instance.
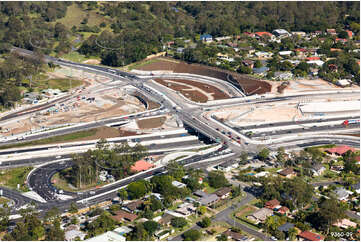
(149, 103)
(151, 123)
(248, 84)
(193, 95)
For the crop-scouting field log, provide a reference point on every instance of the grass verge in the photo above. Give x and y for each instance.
(59, 138)
(12, 177)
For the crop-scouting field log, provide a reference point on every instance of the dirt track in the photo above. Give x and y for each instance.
(248, 84)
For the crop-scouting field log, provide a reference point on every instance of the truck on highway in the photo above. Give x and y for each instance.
(351, 121)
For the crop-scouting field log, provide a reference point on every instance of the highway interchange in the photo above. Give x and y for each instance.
(191, 115)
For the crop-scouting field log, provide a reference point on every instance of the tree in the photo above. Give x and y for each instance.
(222, 237)
(206, 222)
(73, 208)
(123, 194)
(192, 235)
(330, 211)
(155, 204)
(55, 233)
(175, 170)
(244, 69)
(138, 189)
(281, 155)
(202, 210)
(178, 222)
(151, 226)
(217, 179)
(139, 233)
(257, 64)
(292, 233)
(243, 157)
(263, 154)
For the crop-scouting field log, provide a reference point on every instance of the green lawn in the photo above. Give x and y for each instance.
(12, 177)
(61, 84)
(55, 139)
(75, 15)
(142, 63)
(76, 57)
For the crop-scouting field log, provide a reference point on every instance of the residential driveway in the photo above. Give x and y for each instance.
(225, 216)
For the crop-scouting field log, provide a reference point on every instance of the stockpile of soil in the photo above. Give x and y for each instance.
(248, 84)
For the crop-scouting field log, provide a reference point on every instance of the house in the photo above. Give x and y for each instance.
(349, 34)
(345, 223)
(180, 50)
(318, 169)
(218, 39)
(162, 234)
(200, 193)
(340, 40)
(252, 35)
(224, 192)
(260, 215)
(331, 31)
(264, 35)
(263, 54)
(72, 232)
(286, 227)
(283, 210)
(285, 53)
(248, 63)
(234, 236)
(123, 230)
(313, 58)
(186, 209)
(332, 67)
(288, 173)
(283, 75)
(227, 166)
(309, 236)
(281, 33)
(356, 187)
(340, 150)
(209, 200)
(133, 206)
(299, 33)
(206, 38)
(109, 236)
(260, 71)
(141, 165)
(166, 219)
(343, 82)
(122, 215)
(316, 62)
(342, 194)
(178, 184)
(272, 204)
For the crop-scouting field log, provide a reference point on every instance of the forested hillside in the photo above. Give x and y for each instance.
(119, 33)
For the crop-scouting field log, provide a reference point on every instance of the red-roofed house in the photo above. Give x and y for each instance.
(283, 210)
(349, 33)
(340, 150)
(313, 58)
(141, 165)
(309, 236)
(249, 34)
(272, 204)
(331, 31)
(264, 34)
(341, 40)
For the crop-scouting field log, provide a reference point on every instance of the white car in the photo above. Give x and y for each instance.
(58, 157)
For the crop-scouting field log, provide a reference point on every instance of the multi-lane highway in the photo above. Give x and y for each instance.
(189, 112)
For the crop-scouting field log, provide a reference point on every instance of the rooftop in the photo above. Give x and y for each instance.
(141, 165)
(311, 236)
